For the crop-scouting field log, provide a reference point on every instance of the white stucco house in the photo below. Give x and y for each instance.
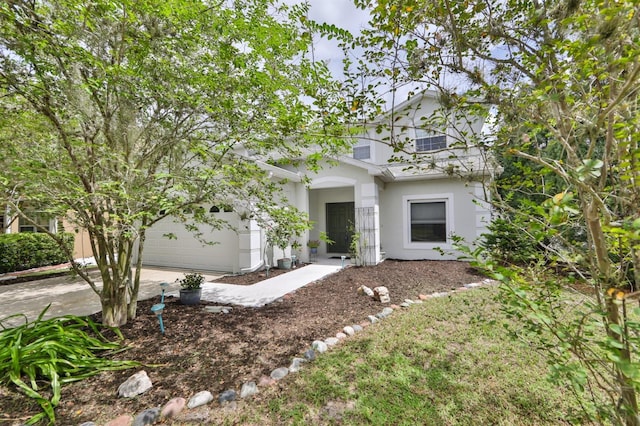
(398, 211)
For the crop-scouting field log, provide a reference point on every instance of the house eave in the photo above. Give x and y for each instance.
(279, 172)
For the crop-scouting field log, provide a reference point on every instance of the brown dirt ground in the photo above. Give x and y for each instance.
(216, 352)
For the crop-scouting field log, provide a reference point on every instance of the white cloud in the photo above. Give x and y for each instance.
(341, 13)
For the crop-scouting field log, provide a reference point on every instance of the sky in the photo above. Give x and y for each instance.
(341, 13)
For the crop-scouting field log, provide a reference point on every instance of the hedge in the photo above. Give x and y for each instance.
(27, 250)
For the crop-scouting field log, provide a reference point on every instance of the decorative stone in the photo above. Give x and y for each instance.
(196, 417)
(349, 331)
(124, 420)
(147, 417)
(266, 381)
(364, 324)
(88, 424)
(382, 294)
(218, 309)
(341, 335)
(331, 341)
(296, 364)
(137, 384)
(356, 328)
(319, 346)
(394, 306)
(423, 297)
(366, 290)
(472, 285)
(441, 294)
(279, 373)
(409, 301)
(248, 389)
(384, 313)
(405, 304)
(373, 319)
(173, 407)
(310, 355)
(201, 398)
(227, 396)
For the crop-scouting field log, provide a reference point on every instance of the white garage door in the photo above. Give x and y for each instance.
(189, 253)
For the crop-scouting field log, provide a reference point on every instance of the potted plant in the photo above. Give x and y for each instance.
(313, 246)
(191, 288)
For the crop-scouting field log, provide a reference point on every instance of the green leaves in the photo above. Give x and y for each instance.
(116, 113)
(55, 351)
(562, 80)
(590, 169)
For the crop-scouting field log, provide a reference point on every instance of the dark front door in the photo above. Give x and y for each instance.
(340, 219)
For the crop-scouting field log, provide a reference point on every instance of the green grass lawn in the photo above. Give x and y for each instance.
(449, 361)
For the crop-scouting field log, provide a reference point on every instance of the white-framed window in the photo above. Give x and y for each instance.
(39, 218)
(430, 141)
(362, 150)
(428, 220)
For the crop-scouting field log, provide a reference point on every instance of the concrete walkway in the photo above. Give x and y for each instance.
(71, 295)
(266, 291)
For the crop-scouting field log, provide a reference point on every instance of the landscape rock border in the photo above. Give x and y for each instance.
(174, 408)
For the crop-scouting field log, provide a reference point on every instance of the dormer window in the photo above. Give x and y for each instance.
(430, 141)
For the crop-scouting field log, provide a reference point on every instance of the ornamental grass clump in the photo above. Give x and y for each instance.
(53, 352)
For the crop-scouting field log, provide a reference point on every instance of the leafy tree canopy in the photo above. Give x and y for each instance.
(117, 113)
(562, 79)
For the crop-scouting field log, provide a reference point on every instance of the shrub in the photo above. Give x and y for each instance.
(30, 250)
(508, 243)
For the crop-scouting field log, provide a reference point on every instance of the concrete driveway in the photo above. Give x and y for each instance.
(69, 295)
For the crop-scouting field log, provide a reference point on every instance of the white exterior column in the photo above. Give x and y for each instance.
(249, 246)
(302, 204)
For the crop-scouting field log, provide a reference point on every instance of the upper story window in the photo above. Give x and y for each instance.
(362, 150)
(1, 223)
(430, 141)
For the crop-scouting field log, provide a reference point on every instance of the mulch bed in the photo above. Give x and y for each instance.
(216, 352)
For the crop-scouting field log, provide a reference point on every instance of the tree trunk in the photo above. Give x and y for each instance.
(132, 307)
(629, 408)
(114, 304)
